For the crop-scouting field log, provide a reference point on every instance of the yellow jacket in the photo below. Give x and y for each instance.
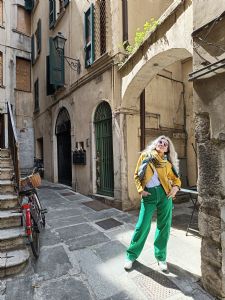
(166, 176)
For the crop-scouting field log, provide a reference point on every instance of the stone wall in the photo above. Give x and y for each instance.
(209, 106)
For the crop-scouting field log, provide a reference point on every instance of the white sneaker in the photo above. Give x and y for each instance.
(128, 264)
(163, 265)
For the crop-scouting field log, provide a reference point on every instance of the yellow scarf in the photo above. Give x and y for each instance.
(157, 160)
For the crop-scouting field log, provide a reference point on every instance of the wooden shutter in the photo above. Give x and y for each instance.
(1, 12)
(32, 50)
(1, 69)
(89, 36)
(52, 13)
(50, 87)
(29, 4)
(23, 74)
(56, 63)
(39, 36)
(23, 20)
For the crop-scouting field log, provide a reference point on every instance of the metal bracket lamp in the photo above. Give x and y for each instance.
(59, 42)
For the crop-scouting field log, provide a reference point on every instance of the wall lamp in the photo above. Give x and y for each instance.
(59, 42)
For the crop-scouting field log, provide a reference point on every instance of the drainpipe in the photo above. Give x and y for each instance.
(142, 120)
(183, 92)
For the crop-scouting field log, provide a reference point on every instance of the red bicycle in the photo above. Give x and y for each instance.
(33, 215)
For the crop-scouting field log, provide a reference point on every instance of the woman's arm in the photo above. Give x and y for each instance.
(176, 183)
(136, 177)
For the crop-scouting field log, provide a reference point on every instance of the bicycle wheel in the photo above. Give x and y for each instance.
(34, 238)
(39, 208)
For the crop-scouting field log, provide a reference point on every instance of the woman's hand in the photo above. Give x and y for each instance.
(173, 192)
(144, 194)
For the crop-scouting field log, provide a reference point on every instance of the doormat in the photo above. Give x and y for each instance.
(156, 286)
(56, 188)
(96, 205)
(68, 194)
(108, 223)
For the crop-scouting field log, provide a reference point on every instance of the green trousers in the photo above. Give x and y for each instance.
(157, 200)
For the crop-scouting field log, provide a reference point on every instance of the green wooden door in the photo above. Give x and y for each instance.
(104, 150)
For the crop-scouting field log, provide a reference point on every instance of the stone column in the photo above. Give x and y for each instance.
(211, 182)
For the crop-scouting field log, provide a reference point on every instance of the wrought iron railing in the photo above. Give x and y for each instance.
(13, 144)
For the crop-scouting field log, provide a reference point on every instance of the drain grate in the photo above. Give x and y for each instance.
(96, 205)
(68, 194)
(156, 286)
(108, 223)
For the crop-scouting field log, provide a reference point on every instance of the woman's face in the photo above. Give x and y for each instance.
(162, 146)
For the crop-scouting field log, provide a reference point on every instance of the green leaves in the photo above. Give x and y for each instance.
(140, 36)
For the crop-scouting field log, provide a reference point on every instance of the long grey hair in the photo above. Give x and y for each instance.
(171, 154)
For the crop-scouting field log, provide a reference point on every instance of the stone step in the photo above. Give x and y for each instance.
(6, 186)
(13, 262)
(8, 201)
(4, 153)
(6, 162)
(6, 173)
(10, 218)
(12, 239)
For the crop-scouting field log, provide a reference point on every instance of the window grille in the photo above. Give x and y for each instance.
(101, 27)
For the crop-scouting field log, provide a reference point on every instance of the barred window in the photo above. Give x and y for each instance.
(101, 10)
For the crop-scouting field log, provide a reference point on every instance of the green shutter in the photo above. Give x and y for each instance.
(32, 50)
(56, 62)
(36, 95)
(50, 87)
(89, 36)
(66, 2)
(52, 13)
(29, 4)
(39, 36)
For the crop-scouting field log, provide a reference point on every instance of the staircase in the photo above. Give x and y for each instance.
(13, 253)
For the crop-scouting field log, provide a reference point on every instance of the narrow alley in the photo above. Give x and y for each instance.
(83, 249)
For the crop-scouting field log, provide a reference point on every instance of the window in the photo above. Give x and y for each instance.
(36, 95)
(95, 19)
(29, 5)
(1, 12)
(89, 36)
(1, 69)
(56, 7)
(23, 20)
(36, 42)
(23, 74)
(125, 20)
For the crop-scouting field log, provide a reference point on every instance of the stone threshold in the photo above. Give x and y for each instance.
(107, 200)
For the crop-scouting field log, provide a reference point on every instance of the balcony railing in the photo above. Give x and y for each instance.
(13, 144)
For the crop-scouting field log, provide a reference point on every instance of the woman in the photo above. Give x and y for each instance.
(158, 187)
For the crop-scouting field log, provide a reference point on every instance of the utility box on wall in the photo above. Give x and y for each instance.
(79, 157)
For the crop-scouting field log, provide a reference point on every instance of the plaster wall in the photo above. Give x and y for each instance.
(15, 44)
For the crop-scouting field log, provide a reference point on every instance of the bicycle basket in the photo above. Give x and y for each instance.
(33, 181)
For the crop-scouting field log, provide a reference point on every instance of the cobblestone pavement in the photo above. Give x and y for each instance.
(82, 255)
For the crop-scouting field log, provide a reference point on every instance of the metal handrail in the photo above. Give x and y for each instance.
(13, 144)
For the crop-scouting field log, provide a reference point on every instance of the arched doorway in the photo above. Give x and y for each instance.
(104, 150)
(62, 130)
